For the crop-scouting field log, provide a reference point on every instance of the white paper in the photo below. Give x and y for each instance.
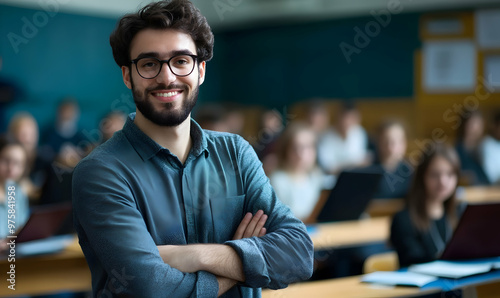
(398, 278)
(487, 24)
(492, 70)
(450, 269)
(449, 66)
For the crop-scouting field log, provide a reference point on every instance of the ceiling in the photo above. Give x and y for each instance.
(230, 13)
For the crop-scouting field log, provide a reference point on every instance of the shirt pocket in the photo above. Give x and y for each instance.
(227, 214)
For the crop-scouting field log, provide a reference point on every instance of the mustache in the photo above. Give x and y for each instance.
(165, 87)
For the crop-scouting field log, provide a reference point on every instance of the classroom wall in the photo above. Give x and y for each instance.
(280, 65)
(69, 55)
(52, 56)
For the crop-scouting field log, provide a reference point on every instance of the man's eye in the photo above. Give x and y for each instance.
(149, 64)
(182, 61)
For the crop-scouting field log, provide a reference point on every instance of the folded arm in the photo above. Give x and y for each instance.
(218, 259)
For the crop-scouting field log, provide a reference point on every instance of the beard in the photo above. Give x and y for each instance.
(166, 115)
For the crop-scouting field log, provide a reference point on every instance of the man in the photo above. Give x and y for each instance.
(164, 208)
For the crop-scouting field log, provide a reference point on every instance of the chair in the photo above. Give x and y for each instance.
(387, 261)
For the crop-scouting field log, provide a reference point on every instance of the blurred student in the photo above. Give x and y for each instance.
(318, 117)
(24, 129)
(211, 117)
(419, 232)
(65, 130)
(111, 123)
(469, 136)
(270, 129)
(298, 181)
(391, 150)
(234, 118)
(490, 151)
(13, 160)
(344, 146)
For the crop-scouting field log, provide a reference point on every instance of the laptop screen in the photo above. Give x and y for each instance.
(476, 235)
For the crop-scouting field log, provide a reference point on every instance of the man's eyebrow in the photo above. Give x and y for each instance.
(181, 52)
(169, 54)
(148, 54)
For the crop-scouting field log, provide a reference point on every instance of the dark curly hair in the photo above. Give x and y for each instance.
(179, 15)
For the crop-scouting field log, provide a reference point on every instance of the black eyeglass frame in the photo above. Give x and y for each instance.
(195, 58)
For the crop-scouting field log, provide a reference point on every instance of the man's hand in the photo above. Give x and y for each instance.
(251, 226)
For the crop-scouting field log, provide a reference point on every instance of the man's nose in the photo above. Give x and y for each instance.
(165, 76)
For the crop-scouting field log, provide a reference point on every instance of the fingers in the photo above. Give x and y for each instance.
(251, 226)
(242, 227)
(259, 226)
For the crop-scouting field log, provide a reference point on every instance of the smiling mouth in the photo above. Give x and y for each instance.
(166, 96)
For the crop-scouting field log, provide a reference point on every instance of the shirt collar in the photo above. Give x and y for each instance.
(147, 147)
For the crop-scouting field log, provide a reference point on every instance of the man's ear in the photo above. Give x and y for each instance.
(126, 76)
(202, 71)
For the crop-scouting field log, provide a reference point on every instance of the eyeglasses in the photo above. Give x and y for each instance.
(180, 65)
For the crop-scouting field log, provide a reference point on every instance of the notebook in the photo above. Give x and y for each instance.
(350, 196)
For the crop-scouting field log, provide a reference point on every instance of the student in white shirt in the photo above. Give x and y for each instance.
(298, 181)
(490, 152)
(345, 145)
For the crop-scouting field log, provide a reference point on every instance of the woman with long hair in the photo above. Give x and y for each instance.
(419, 232)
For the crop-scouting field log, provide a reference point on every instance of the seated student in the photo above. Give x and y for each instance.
(420, 231)
(111, 123)
(270, 128)
(345, 145)
(391, 149)
(24, 129)
(297, 181)
(490, 151)
(469, 136)
(13, 160)
(318, 116)
(65, 130)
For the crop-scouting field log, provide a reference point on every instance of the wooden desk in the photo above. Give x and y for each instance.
(65, 271)
(346, 287)
(385, 207)
(352, 287)
(351, 233)
(471, 194)
(481, 194)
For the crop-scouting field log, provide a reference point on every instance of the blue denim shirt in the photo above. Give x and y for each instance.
(130, 195)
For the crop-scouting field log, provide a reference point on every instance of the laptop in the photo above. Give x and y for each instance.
(350, 196)
(44, 222)
(476, 235)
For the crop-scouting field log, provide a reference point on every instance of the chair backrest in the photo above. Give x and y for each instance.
(387, 261)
